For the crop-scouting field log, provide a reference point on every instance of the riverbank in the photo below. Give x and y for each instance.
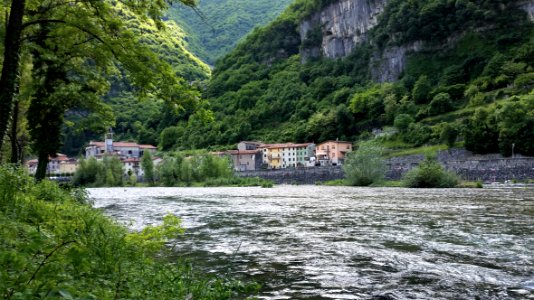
(55, 245)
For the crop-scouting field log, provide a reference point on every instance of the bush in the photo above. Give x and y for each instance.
(403, 121)
(448, 135)
(430, 174)
(418, 134)
(64, 250)
(364, 166)
(441, 103)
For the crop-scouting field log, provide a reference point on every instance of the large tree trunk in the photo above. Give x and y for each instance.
(42, 165)
(10, 68)
(15, 158)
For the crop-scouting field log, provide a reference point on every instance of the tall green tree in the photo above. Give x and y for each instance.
(148, 167)
(97, 30)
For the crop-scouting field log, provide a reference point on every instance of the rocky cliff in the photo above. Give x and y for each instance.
(342, 25)
(337, 29)
(528, 6)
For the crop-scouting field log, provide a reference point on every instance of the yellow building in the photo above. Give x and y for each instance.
(288, 155)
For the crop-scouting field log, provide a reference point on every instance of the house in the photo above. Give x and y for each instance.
(121, 149)
(289, 155)
(332, 153)
(61, 164)
(245, 160)
(132, 166)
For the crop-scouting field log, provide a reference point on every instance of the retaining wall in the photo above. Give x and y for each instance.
(486, 168)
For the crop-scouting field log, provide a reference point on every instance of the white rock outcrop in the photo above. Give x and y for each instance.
(344, 25)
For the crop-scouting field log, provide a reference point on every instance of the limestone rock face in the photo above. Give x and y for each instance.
(528, 6)
(340, 27)
(343, 26)
(389, 65)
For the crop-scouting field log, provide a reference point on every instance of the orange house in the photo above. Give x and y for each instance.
(332, 153)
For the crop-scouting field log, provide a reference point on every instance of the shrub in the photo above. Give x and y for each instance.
(421, 90)
(364, 166)
(418, 134)
(430, 174)
(441, 103)
(64, 250)
(448, 135)
(403, 121)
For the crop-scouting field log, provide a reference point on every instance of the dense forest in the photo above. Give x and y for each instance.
(215, 26)
(470, 82)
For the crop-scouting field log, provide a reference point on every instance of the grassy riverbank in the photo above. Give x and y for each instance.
(54, 245)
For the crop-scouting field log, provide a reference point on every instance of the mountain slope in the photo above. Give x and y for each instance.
(217, 25)
(340, 69)
(134, 119)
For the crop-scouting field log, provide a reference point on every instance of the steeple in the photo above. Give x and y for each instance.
(109, 141)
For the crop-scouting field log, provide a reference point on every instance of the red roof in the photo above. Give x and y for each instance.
(287, 145)
(123, 144)
(131, 159)
(237, 152)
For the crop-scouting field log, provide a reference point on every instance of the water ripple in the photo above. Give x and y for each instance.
(310, 242)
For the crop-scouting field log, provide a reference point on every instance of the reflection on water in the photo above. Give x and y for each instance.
(309, 242)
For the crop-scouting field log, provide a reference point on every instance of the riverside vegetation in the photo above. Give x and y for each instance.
(366, 167)
(55, 246)
(176, 169)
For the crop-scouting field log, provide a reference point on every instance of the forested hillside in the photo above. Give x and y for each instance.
(428, 72)
(215, 27)
(132, 118)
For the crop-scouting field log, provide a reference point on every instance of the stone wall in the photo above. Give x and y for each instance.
(486, 168)
(297, 176)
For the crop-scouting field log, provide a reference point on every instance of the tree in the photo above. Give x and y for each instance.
(94, 34)
(430, 174)
(403, 121)
(448, 135)
(365, 166)
(441, 103)
(421, 90)
(148, 167)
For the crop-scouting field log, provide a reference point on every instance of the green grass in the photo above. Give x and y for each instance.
(423, 150)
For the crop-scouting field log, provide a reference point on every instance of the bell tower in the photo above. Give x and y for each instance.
(109, 141)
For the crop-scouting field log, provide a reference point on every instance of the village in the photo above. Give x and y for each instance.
(249, 156)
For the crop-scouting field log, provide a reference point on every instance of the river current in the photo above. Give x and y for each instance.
(315, 242)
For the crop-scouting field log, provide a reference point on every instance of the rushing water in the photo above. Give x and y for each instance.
(312, 242)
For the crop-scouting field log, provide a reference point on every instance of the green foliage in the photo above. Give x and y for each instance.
(93, 173)
(440, 104)
(205, 169)
(449, 134)
(429, 174)
(418, 134)
(54, 247)
(403, 121)
(148, 167)
(421, 90)
(216, 26)
(365, 166)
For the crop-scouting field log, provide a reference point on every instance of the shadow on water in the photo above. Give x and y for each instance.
(308, 242)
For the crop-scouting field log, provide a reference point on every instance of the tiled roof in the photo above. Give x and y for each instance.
(236, 152)
(122, 144)
(286, 145)
(339, 142)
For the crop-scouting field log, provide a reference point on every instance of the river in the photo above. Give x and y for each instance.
(316, 242)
